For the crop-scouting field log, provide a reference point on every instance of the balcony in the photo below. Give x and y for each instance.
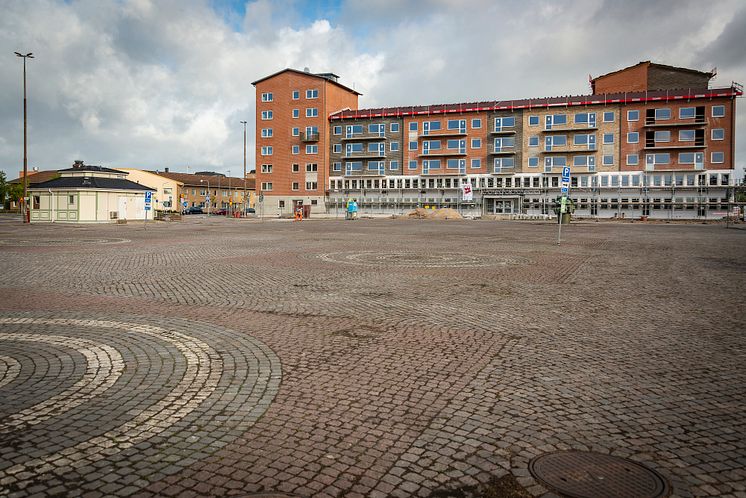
(364, 154)
(443, 152)
(663, 146)
(652, 123)
(364, 136)
(568, 128)
(309, 137)
(457, 132)
(503, 131)
(500, 151)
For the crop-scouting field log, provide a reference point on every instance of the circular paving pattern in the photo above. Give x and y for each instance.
(419, 260)
(586, 474)
(51, 242)
(84, 398)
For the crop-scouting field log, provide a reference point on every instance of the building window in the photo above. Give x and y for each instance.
(662, 136)
(337, 148)
(394, 127)
(394, 146)
(476, 143)
(296, 168)
(266, 168)
(608, 160)
(553, 141)
(584, 161)
(267, 150)
(476, 123)
(312, 185)
(717, 157)
(337, 130)
(296, 113)
(311, 167)
(633, 137)
(312, 112)
(312, 94)
(662, 158)
(295, 149)
(266, 132)
(394, 165)
(266, 115)
(633, 115)
(296, 94)
(632, 159)
(588, 118)
(718, 134)
(533, 162)
(266, 185)
(608, 138)
(686, 135)
(504, 122)
(718, 111)
(337, 167)
(686, 157)
(608, 117)
(476, 163)
(662, 114)
(267, 97)
(413, 126)
(296, 132)
(687, 112)
(296, 186)
(412, 145)
(533, 141)
(533, 120)
(312, 149)
(71, 200)
(412, 165)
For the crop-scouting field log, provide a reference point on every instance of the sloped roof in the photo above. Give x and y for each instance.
(655, 64)
(192, 180)
(322, 76)
(99, 169)
(90, 182)
(38, 177)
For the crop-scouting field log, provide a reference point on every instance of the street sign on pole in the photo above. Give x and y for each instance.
(148, 199)
(566, 174)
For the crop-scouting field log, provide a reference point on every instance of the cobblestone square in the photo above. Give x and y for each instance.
(217, 357)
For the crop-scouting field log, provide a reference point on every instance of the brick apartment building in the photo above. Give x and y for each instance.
(651, 140)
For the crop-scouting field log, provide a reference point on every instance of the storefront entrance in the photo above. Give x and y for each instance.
(501, 205)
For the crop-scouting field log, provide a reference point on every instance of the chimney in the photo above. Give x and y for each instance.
(78, 164)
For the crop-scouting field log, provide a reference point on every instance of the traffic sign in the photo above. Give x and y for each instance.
(566, 174)
(185, 203)
(565, 189)
(148, 199)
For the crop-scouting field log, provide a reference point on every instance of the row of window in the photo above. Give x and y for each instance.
(311, 112)
(310, 94)
(583, 181)
(310, 168)
(268, 150)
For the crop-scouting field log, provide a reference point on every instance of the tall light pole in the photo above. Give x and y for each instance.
(244, 168)
(26, 213)
(208, 195)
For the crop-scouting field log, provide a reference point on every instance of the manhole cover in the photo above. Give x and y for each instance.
(584, 474)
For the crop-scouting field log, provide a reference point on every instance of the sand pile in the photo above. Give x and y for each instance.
(435, 214)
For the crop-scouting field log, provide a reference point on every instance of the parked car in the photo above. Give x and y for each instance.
(219, 212)
(194, 210)
(250, 211)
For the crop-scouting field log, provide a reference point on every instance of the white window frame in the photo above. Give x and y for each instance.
(266, 150)
(718, 115)
(476, 123)
(312, 149)
(629, 113)
(694, 136)
(637, 134)
(267, 97)
(312, 93)
(267, 132)
(478, 142)
(636, 161)
(312, 112)
(296, 113)
(712, 134)
(267, 115)
(612, 116)
(606, 135)
(296, 95)
(295, 149)
(694, 113)
(712, 157)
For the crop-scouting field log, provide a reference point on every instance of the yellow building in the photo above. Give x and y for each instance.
(167, 191)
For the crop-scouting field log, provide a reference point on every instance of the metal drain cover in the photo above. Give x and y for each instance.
(585, 474)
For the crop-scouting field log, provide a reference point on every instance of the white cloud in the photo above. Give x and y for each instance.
(166, 83)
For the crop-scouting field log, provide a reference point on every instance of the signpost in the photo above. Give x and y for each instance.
(565, 189)
(148, 203)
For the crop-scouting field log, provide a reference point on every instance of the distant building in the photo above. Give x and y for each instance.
(652, 140)
(167, 190)
(224, 192)
(87, 194)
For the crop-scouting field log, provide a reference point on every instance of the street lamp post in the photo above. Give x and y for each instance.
(244, 168)
(208, 195)
(26, 213)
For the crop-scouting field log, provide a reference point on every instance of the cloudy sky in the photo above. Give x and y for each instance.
(165, 83)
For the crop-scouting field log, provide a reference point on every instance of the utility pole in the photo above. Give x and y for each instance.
(244, 168)
(26, 213)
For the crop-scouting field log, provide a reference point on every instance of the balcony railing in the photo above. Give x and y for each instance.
(309, 137)
(461, 151)
(364, 154)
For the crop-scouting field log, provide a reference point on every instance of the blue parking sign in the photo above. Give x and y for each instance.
(566, 174)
